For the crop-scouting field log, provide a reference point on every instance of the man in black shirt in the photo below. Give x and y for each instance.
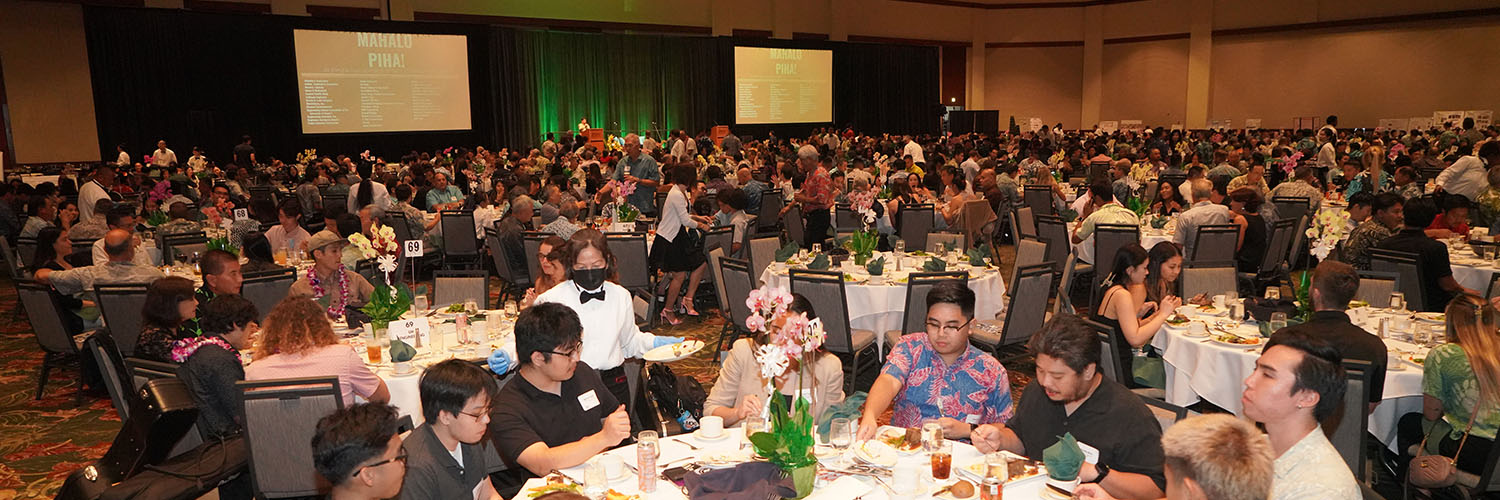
(556, 413)
(244, 153)
(1120, 437)
(1333, 285)
(1437, 275)
(446, 456)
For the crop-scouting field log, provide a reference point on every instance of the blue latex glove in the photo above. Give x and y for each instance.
(500, 362)
(661, 341)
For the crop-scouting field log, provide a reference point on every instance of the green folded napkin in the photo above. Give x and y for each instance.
(787, 251)
(819, 263)
(401, 351)
(1063, 458)
(848, 408)
(978, 255)
(947, 246)
(876, 267)
(935, 264)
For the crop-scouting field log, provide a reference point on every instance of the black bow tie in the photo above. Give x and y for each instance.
(585, 297)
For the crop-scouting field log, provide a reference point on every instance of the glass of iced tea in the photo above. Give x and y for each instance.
(942, 461)
(372, 351)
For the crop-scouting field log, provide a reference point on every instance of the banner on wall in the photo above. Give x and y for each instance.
(1393, 124)
(1481, 117)
(1444, 117)
(1252, 124)
(1133, 125)
(1036, 124)
(1109, 126)
(1419, 123)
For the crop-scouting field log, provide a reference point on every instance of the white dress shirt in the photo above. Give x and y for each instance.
(163, 157)
(381, 197)
(609, 331)
(123, 160)
(915, 150)
(88, 196)
(1467, 177)
(674, 215)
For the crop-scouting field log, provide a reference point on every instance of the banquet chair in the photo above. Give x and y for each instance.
(1208, 277)
(342, 200)
(913, 222)
(1166, 413)
(1175, 180)
(1064, 302)
(514, 284)
(1110, 360)
(267, 288)
(1215, 242)
(112, 372)
(634, 275)
(1347, 426)
(460, 245)
(455, 287)
(531, 241)
(182, 246)
(280, 418)
(937, 241)
(81, 245)
(121, 306)
(1298, 248)
(44, 314)
(1291, 207)
(1052, 230)
(716, 275)
(738, 283)
(825, 290)
(845, 219)
(979, 221)
(1029, 252)
(795, 229)
(1375, 287)
(719, 237)
(1408, 269)
(26, 249)
(659, 200)
(1273, 263)
(1039, 198)
(1025, 312)
(762, 252)
(12, 261)
(1024, 221)
(914, 315)
(770, 211)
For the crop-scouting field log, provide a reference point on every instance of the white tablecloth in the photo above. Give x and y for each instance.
(879, 308)
(404, 394)
(1470, 270)
(674, 453)
(1215, 372)
(1149, 238)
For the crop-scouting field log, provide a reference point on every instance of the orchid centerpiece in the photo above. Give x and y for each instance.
(794, 346)
(624, 212)
(1328, 229)
(862, 243)
(390, 300)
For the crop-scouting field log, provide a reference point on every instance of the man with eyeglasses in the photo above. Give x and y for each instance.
(358, 450)
(937, 374)
(557, 413)
(447, 457)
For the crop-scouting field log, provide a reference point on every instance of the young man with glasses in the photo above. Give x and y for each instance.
(556, 413)
(938, 375)
(358, 450)
(447, 458)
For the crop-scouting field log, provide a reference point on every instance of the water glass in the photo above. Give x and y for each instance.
(420, 302)
(751, 426)
(471, 306)
(595, 479)
(932, 434)
(1273, 293)
(1398, 301)
(899, 246)
(817, 248)
(511, 308)
(1278, 321)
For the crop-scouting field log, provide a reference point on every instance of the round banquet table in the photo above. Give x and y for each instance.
(404, 394)
(1469, 269)
(678, 450)
(879, 308)
(1149, 237)
(1198, 368)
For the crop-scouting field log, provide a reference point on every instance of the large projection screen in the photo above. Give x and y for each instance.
(782, 85)
(382, 82)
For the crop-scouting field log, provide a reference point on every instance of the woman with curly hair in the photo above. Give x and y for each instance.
(298, 341)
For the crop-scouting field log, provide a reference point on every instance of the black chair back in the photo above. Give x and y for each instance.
(121, 307)
(630, 250)
(1111, 362)
(770, 211)
(825, 290)
(1039, 198)
(512, 279)
(1276, 248)
(1375, 287)
(1291, 207)
(914, 222)
(112, 372)
(457, 287)
(280, 418)
(26, 249)
(914, 317)
(175, 247)
(1215, 242)
(44, 314)
(459, 239)
(1408, 268)
(845, 219)
(1347, 426)
(1027, 310)
(267, 288)
(532, 242)
(719, 237)
(792, 221)
(1209, 278)
(738, 283)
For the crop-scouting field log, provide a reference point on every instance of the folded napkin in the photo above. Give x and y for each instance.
(401, 352)
(978, 255)
(947, 246)
(876, 267)
(848, 408)
(819, 263)
(748, 481)
(1063, 458)
(935, 264)
(787, 251)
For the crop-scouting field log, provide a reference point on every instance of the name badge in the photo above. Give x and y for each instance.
(972, 419)
(1090, 453)
(588, 400)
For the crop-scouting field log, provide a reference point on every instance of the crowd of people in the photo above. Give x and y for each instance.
(567, 400)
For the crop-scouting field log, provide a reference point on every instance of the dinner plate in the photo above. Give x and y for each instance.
(673, 352)
(876, 453)
(1258, 341)
(1430, 317)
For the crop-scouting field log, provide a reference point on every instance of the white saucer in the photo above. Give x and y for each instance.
(698, 434)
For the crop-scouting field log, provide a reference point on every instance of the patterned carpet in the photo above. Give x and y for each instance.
(42, 441)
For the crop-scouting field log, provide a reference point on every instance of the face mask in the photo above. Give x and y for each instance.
(589, 279)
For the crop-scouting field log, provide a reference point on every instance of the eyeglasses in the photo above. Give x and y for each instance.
(935, 328)
(479, 414)
(398, 458)
(573, 355)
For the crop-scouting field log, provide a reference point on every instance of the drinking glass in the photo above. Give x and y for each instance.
(942, 461)
(595, 479)
(420, 302)
(511, 308)
(1273, 293)
(1278, 321)
(817, 248)
(840, 436)
(751, 426)
(997, 466)
(471, 306)
(899, 246)
(932, 434)
(1398, 301)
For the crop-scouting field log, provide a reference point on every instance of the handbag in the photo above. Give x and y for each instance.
(1437, 471)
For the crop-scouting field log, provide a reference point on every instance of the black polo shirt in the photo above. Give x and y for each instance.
(1113, 419)
(524, 415)
(1434, 262)
(1352, 342)
(431, 471)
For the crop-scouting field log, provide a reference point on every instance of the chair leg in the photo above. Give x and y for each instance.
(41, 380)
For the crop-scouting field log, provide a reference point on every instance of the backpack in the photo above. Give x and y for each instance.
(677, 397)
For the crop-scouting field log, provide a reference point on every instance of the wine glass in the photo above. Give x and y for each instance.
(1278, 321)
(420, 302)
(840, 436)
(511, 308)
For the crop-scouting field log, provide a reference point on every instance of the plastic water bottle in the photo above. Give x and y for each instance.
(645, 460)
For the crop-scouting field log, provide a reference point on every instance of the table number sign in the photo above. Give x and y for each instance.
(241, 214)
(413, 248)
(415, 332)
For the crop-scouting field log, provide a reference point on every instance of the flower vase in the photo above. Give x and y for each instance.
(803, 478)
(861, 258)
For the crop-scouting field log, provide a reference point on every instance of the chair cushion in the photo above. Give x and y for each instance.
(891, 337)
(983, 335)
(1151, 392)
(862, 339)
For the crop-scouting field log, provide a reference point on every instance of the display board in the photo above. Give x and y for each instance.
(782, 85)
(382, 82)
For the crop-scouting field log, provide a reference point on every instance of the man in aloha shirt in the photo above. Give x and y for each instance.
(937, 374)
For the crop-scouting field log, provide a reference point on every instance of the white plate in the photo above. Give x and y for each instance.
(1430, 317)
(876, 453)
(1261, 342)
(698, 434)
(674, 352)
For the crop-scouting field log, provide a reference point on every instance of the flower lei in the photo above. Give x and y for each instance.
(335, 309)
(182, 349)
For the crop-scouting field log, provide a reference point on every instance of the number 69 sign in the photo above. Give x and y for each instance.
(413, 248)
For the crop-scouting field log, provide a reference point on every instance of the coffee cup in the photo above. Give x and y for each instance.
(613, 466)
(711, 426)
(1219, 301)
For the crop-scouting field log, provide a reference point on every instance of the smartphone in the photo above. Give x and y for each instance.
(676, 475)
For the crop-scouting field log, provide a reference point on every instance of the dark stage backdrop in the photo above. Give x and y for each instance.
(205, 79)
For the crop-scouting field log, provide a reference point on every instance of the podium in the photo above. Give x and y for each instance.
(596, 138)
(718, 133)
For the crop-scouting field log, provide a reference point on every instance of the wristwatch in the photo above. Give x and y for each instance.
(1103, 471)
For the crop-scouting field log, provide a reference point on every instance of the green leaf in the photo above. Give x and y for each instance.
(401, 352)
